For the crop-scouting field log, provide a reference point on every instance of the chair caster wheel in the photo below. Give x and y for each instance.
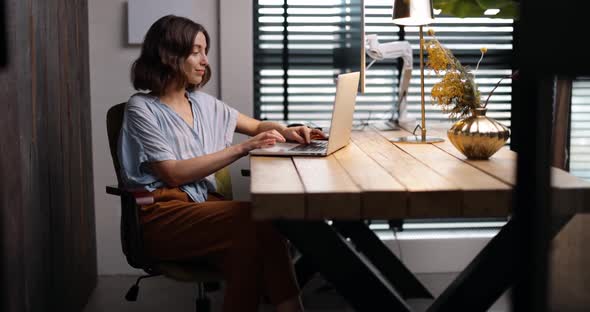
(203, 305)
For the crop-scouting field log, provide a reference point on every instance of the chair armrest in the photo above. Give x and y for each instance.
(141, 196)
(114, 190)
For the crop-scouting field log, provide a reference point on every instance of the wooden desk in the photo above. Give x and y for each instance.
(373, 178)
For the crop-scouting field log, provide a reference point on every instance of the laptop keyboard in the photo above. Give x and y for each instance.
(314, 146)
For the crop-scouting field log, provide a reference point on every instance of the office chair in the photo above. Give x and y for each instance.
(206, 277)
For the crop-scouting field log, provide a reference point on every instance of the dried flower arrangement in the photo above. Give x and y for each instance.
(457, 93)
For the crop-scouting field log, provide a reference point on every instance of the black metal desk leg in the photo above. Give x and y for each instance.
(484, 280)
(368, 243)
(304, 270)
(489, 274)
(340, 265)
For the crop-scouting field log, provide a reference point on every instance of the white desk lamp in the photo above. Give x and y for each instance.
(393, 50)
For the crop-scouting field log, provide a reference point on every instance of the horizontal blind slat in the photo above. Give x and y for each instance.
(579, 157)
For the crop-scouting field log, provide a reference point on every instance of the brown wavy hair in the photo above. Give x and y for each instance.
(166, 46)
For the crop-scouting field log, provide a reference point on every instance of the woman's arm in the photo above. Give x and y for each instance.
(250, 126)
(179, 172)
(265, 134)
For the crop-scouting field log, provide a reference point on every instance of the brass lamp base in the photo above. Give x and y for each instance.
(415, 139)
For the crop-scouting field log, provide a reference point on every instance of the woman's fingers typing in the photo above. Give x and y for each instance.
(274, 134)
(267, 143)
(306, 134)
(265, 139)
(299, 139)
(302, 135)
(317, 134)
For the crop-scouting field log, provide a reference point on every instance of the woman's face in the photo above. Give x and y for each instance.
(196, 62)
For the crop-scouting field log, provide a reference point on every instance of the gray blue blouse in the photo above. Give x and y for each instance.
(153, 132)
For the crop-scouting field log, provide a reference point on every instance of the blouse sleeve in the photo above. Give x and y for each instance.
(228, 117)
(143, 126)
(141, 141)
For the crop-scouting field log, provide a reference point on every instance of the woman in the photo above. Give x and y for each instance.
(173, 140)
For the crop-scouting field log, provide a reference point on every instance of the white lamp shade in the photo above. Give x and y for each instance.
(412, 12)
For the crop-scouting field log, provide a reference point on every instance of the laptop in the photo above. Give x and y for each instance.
(342, 115)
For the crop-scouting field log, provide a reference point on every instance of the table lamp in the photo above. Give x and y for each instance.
(416, 13)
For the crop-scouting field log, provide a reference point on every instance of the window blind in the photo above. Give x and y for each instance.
(294, 63)
(580, 129)
(296, 43)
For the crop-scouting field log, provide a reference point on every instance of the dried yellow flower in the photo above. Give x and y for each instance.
(456, 93)
(484, 50)
(448, 89)
(431, 32)
(438, 59)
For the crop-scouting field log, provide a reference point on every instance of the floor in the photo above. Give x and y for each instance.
(162, 294)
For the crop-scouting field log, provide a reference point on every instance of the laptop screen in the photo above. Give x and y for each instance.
(343, 112)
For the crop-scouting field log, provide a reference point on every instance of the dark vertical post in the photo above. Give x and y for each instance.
(565, 21)
(532, 191)
(256, 74)
(514, 110)
(285, 63)
(3, 38)
(561, 122)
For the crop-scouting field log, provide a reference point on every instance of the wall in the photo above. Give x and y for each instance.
(237, 73)
(110, 61)
(47, 234)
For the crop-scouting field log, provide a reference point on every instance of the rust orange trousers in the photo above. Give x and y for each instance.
(251, 255)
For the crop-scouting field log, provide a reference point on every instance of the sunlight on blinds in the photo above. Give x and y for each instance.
(580, 129)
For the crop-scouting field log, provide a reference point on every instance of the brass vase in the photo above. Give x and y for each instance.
(477, 136)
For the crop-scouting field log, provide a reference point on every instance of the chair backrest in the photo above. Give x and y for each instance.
(131, 234)
(223, 181)
(114, 122)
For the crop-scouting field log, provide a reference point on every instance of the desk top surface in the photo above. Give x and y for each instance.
(372, 178)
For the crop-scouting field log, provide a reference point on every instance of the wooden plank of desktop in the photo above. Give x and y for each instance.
(382, 197)
(570, 193)
(330, 193)
(501, 165)
(483, 195)
(276, 189)
(430, 195)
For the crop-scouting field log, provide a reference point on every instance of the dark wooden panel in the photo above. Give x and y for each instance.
(12, 239)
(48, 231)
(3, 40)
(35, 226)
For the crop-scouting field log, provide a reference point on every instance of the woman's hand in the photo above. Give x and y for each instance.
(302, 134)
(262, 140)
